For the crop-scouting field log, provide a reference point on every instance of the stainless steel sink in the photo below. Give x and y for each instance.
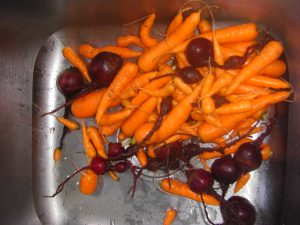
(25, 27)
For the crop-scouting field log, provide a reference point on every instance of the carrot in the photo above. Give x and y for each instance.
(145, 31)
(182, 85)
(204, 26)
(227, 151)
(274, 69)
(88, 146)
(150, 58)
(142, 158)
(111, 129)
(208, 105)
(237, 33)
(142, 131)
(170, 216)
(152, 118)
(90, 52)
(271, 51)
(153, 85)
(125, 41)
(249, 96)
(248, 89)
(235, 107)
(268, 82)
(138, 117)
(96, 139)
(176, 187)
(266, 151)
(88, 182)
(181, 60)
(112, 118)
(178, 95)
(241, 182)
(207, 132)
(222, 81)
(205, 165)
(197, 116)
(174, 24)
(121, 136)
(123, 77)
(150, 152)
(113, 175)
(57, 154)
(165, 91)
(87, 105)
(218, 56)
(137, 83)
(239, 46)
(245, 130)
(72, 125)
(176, 137)
(212, 119)
(77, 62)
(207, 83)
(175, 118)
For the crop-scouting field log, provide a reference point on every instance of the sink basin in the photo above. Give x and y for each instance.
(32, 35)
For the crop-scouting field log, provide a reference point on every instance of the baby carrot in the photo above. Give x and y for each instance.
(182, 85)
(174, 24)
(170, 216)
(241, 182)
(176, 187)
(274, 69)
(123, 78)
(235, 107)
(57, 154)
(266, 151)
(208, 105)
(108, 130)
(125, 41)
(222, 81)
(113, 175)
(142, 158)
(77, 62)
(88, 146)
(90, 52)
(268, 82)
(88, 182)
(145, 31)
(165, 91)
(204, 26)
(96, 139)
(181, 60)
(87, 105)
(72, 125)
(271, 51)
(112, 118)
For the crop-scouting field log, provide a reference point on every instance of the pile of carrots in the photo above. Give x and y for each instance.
(149, 76)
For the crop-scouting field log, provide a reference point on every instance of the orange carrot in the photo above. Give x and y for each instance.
(57, 154)
(72, 125)
(90, 52)
(138, 117)
(232, 149)
(178, 95)
(209, 132)
(170, 216)
(235, 107)
(96, 139)
(123, 78)
(218, 56)
(125, 41)
(88, 182)
(182, 85)
(153, 85)
(108, 130)
(150, 58)
(87, 105)
(176, 137)
(77, 62)
(239, 46)
(241, 182)
(245, 130)
(151, 152)
(205, 165)
(121, 136)
(248, 89)
(181, 60)
(271, 51)
(88, 146)
(208, 105)
(132, 88)
(113, 175)
(266, 151)
(112, 118)
(269, 82)
(174, 24)
(145, 31)
(207, 83)
(176, 187)
(142, 158)
(212, 119)
(197, 116)
(222, 81)
(204, 26)
(274, 69)
(174, 119)
(142, 131)
(165, 91)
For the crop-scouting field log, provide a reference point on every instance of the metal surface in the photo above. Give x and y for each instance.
(25, 26)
